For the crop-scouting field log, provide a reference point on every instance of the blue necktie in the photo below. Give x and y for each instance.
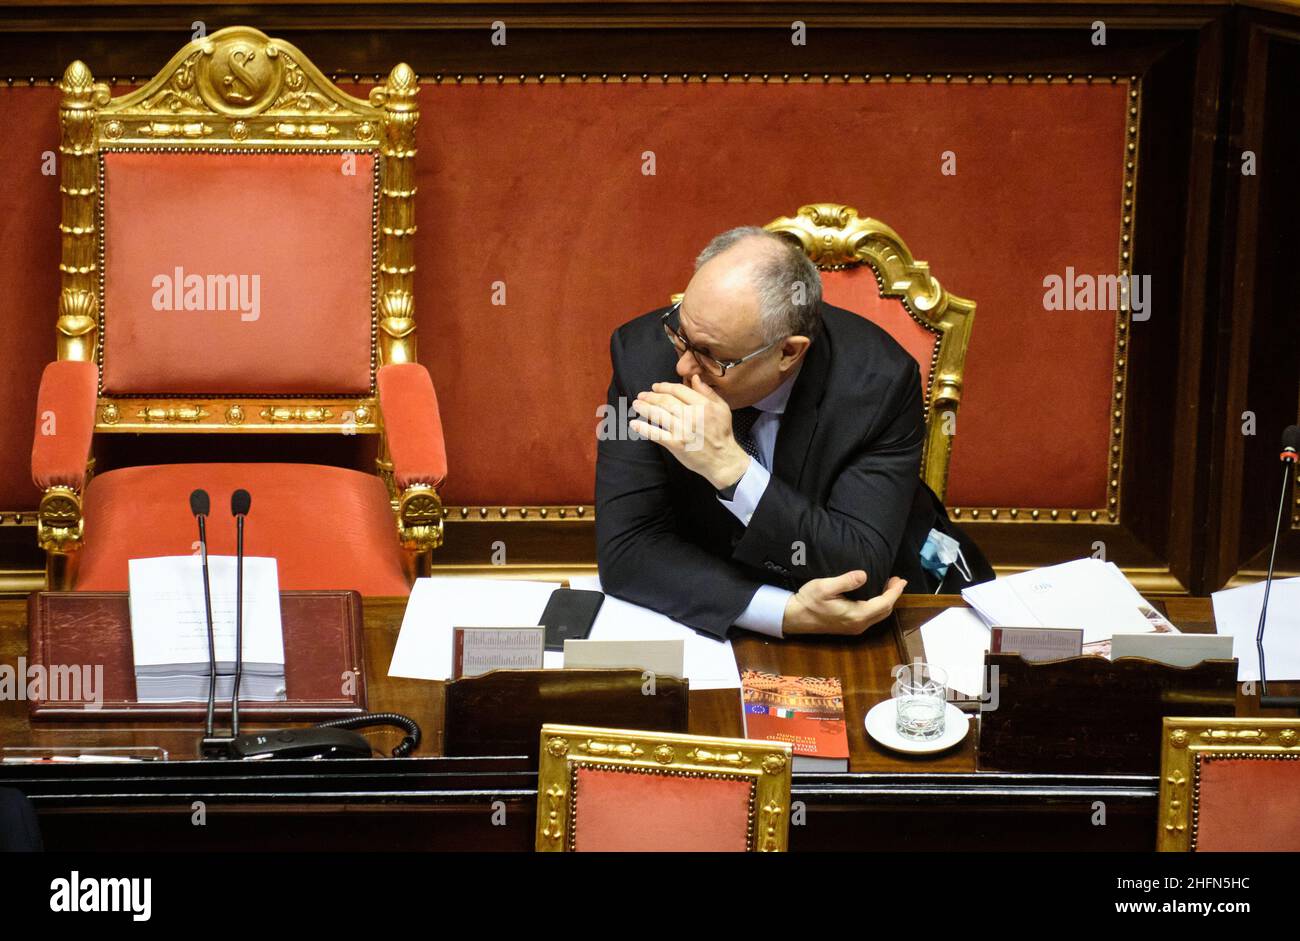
(742, 427)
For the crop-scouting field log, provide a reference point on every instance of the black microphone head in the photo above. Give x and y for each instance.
(200, 503)
(240, 501)
(1291, 438)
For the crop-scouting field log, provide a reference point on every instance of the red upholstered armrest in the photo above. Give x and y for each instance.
(412, 424)
(65, 422)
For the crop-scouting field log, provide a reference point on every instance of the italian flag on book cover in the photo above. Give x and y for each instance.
(806, 711)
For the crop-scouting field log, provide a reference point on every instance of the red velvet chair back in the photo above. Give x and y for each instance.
(1229, 785)
(856, 289)
(231, 273)
(618, 790)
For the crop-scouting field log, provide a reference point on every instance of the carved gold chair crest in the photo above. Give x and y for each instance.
(621, 790)
(905, 299)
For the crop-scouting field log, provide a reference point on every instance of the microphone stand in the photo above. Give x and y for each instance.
(1265, 700)
(212, 643)
(212, 745)
(330, 740)
(239, 623)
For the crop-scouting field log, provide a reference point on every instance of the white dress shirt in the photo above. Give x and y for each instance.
(766, 609)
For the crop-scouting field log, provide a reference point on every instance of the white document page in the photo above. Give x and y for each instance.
(436, 605)
(1236, 612)
(710, 664)
(169, 623)
(998, 605)
(957, 639)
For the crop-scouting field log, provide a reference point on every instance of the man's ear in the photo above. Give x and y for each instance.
(792, 352)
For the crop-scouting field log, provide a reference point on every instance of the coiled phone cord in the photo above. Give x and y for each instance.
(409, 725)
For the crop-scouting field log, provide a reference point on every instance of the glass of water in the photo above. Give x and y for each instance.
(921, 694)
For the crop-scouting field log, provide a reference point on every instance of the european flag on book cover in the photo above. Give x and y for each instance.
(759, 709)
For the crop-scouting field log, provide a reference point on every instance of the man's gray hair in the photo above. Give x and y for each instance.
(789, 285)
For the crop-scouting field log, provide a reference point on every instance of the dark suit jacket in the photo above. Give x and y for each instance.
(845, 491)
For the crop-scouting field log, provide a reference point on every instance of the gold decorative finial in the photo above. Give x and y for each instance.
(79, 88)
(398, 93)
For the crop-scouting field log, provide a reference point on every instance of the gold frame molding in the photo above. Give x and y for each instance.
(1185, 742)
(834, 237)
(572, 513)
(238, 91)
(566, 748)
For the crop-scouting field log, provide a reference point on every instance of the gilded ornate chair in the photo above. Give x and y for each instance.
(615, 790)
(1229, 784)
(237, 260)
(866, 268)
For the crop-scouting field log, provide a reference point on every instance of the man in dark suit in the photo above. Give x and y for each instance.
(774, 486)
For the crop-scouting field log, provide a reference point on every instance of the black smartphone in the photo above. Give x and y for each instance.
(569, 615)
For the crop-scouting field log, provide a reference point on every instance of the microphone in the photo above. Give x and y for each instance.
(1290, 454)
(240, 501)
(200, 505)
(327, 740)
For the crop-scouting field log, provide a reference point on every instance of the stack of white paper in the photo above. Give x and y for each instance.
(169, 629)
(1086, 593)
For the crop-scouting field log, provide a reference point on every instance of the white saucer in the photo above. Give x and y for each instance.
(882, 725)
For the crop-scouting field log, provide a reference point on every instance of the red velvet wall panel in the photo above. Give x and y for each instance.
(541, 187)
(29, 276)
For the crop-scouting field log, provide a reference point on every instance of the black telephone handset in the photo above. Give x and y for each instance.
(570, 614)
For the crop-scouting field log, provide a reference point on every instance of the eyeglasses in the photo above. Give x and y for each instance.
(713, 366)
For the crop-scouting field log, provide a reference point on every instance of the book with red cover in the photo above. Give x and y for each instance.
(806, 711)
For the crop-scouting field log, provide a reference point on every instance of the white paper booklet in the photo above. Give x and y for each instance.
(169, 630)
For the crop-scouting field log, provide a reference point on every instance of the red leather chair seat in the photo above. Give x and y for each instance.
(329, 527)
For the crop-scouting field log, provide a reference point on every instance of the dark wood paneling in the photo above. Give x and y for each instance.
(1257, 358)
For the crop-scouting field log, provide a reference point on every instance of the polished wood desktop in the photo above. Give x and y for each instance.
(387, 803)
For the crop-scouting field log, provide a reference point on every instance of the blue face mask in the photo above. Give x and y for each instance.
(939, 552)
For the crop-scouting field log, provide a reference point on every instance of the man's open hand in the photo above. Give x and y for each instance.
(819, 607)
(694, 424)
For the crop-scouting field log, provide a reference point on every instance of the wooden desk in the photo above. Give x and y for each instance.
(889, 801)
